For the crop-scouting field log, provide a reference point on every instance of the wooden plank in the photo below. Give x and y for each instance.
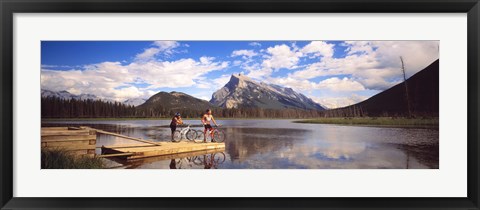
(114, 155)
(167, 148)
(128, 146)
(68, 138)
(64, 132)
(127, 137)
(54, 128)
(177, 150)
(70, 148)
(66, 143)
(172, 145)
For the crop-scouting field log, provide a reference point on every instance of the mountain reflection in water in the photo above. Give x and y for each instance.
(282, 144)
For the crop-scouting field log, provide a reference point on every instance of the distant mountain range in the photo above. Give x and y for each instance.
(67, 95)
(243, 92)
(423, 94)
(239, 92)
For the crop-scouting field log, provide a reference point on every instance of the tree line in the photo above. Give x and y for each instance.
(53, 107)
(232, 113)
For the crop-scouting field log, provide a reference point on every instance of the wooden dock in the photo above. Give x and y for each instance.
(82, 140)
(78, 142)
(131, 152)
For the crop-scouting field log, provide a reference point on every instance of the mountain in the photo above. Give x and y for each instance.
(134, 101)
(172, 102)
(67, 95)
(243, 92)
(423, 92)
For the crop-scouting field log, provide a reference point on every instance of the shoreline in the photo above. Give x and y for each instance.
(376, 122)
(359, 121)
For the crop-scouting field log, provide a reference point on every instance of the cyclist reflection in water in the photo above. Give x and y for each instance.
(206, 119)
(209, 163)
(173, 164)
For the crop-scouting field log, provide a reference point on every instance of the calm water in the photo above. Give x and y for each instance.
(272, 144)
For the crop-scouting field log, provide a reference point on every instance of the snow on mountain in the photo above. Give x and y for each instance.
(67, 95)
(135, 101)
(242, 91)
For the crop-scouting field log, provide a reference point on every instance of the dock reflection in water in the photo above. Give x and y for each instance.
(282, 144)
(191, 160)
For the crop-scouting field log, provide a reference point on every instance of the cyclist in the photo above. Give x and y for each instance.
(206, 119)
(176, 120)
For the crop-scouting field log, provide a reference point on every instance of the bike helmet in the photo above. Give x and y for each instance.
(177, 114)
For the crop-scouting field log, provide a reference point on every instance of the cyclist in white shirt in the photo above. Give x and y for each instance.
(207, 118)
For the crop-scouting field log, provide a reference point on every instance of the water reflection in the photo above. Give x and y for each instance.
(270, 144)
(207, 161)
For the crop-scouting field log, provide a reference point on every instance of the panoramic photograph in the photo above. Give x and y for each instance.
(287, 104)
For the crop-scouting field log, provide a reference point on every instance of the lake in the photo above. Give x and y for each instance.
(282, 144)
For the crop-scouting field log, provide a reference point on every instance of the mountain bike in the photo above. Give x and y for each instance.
(186, 132)
(218, 135)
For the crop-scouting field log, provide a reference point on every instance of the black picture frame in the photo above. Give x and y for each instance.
(10, 7)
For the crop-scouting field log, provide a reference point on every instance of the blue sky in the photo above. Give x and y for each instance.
(333, 73)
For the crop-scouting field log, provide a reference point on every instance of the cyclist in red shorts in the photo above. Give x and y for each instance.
(206, 119)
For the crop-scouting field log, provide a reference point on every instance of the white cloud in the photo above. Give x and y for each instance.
(337, 84)
(333, 84)
(237, 63)
(148, 54)
(260, 74)
(375, 64)
(173, 74)
(113, 80)
(319, 48)
(281, 56)
(336, 102)
(255, 44)
(244, 53)
(165, 47)
(221, 81)
(206, 60)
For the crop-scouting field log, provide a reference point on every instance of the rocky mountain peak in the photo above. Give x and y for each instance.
(242, 91)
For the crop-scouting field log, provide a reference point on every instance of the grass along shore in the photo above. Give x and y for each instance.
(62, 159)
(376, 121)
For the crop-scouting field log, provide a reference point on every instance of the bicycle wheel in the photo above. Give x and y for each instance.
(191, 135)
(219, 157)
(200, 135)
(219, 136)
(177, 136)
(199, 160)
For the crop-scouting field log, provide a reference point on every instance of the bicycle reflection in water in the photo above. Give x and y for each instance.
(208, 161)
